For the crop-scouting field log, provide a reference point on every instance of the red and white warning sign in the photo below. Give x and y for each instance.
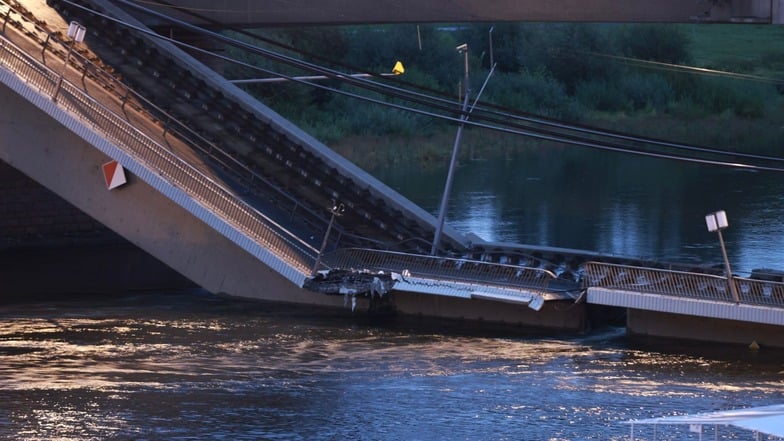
(114, 174)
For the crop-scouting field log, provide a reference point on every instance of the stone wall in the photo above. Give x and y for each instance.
(30, 213)
(49, 247)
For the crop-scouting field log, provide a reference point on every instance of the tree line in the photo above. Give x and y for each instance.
(595, 73)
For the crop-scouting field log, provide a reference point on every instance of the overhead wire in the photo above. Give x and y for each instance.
(483, 110)
(481, 120)
(493, 109)
(522, 116)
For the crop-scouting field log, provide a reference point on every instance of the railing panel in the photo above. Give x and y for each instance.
(444, 269)
(682, 284)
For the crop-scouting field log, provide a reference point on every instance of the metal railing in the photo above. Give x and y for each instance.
(170, 124)
(443, 268)
(158, 158)
(682, 284)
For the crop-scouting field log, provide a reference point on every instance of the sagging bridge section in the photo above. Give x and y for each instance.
(232, 196)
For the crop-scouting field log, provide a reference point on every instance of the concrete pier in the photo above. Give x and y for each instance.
(655, 324)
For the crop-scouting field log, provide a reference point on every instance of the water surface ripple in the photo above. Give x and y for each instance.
(191, 366)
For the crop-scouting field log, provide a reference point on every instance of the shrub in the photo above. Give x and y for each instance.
(566, 51)
(602, 95)
(536, 92)
(661, 43)
(646, 91)
(741, 98)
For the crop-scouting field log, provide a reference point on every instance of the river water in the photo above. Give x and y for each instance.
(609, 203)
(188, 366)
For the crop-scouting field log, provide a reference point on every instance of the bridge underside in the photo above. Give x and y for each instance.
(243, 13)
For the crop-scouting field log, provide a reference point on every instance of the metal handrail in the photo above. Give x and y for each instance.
(170, 124)
(209, 193)
(441, 268)
(682, 284)
(125, 92)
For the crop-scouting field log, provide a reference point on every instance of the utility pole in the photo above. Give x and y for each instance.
(335, 210)
(463, 48)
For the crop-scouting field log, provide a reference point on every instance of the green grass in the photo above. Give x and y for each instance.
(753, 49)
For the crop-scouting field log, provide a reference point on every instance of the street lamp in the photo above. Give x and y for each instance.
(76, 33)
(336, 210)
(463, 49)
(716, 222)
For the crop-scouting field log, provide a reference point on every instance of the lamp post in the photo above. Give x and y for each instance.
(335, 210)
(463, 48)
(716, 222)
(76, 33)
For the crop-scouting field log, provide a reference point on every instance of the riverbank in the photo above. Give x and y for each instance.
(759, 136)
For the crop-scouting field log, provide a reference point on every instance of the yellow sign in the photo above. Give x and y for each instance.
(398, 69)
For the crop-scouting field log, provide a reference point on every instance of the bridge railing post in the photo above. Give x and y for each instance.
(7, 17)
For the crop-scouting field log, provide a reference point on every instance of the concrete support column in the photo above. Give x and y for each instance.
(760, 8)
(777, 13)
(749, 10)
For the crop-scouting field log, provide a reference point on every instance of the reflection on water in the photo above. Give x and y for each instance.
(192, 366)
(609, 203)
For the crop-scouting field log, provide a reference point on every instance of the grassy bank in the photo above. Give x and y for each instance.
(754, 49)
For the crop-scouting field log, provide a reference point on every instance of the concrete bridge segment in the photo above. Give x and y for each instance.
(245, 14)
(46, 144)
(31, 137)
(292, 133)
(54, 148)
